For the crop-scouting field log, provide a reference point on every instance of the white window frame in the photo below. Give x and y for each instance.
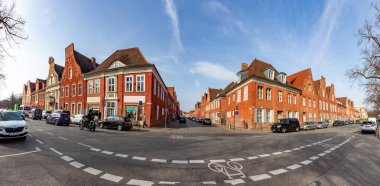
(289, 98)
(90, 86)
(81, 108)
(295, 99)
(111, 86)
(97, 86)
(279, 96)
(73, 90)
(259, 115)
(80, 87)
(70, 73)
(268, 94)
(140, 82)
(245, 98)
(238, 96)
(154, 85)
(260, 92)
(129, 83)
(67, 91)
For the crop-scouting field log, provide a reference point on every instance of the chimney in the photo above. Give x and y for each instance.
(93, 61)
(244, 66)
(51, 60)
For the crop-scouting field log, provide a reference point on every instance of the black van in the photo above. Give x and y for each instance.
(35, 114)
(285, 125)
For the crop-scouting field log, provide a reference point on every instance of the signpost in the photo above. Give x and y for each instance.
(236, 112)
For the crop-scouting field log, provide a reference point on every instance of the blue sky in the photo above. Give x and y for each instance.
(195, 44)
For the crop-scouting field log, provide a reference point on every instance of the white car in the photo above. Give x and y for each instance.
(12, 125)
(76, 119)
(368, 126)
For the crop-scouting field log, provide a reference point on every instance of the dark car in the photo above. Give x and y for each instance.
(117, 122)
(59, 117)
(285, 125)
(35, 114)
(182, 120)
(338, 123)
(206, 121)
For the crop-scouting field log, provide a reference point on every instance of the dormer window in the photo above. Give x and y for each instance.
(116, 64)
(269, 73)
(242, 75)
(282, 77)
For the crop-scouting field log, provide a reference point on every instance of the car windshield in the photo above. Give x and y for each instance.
(10, 116)
(284, 121)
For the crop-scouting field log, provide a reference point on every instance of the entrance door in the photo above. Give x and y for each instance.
(111, 109)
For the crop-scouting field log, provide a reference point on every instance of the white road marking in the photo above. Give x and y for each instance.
(167, 183)
(321, 154)
(66, 158)
(107, 152)
(85, 145)
(49, 133)
(315, 143)
(95, 149)
(9, 155)
(196, 161)
(139, 158)
(288, 151)
(327, 151)
(277, 153)
(278, 171)
(59, 153)
(295, 166)
(209, 183)
(237, 159)
(63, 138)
(314, 158)
(217, 161)
(264, 155)
(180, 161)
(92, 171)
(30, 135)
(296, 149)
(40, 142)
(252, 157)
(159, 160)
(309, 145)
(234, 182)
(111, 177)
(76, 164)
(121, 155)
(38, 149)
(301, 147)
(260, 177)
(306, 162)
(140, 182)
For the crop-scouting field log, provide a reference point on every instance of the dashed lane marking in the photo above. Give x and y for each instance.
(10, 155)
(309, 145)
(296, 149)
(264, 155)
(76, 164)
(85, 145)
(301, 147)
(139, 158)
(180, 161)
(167, 183)
(196, 161)
(107, 152)
(314, 158)
(288, 151)
(322, 154)
(234, 182)
(278, 171)
(237, 159)
(306, 162)
(111, 177)
(327, 151)
(30, 135)
(277, 153)
(252, 157)
(217, 161)
(63, 138)
(209, 183)
(92, 171)
(66, 158)
(59, 153)
(140, 182)
(121, 155)
(159, 160)
(40, 142)
(293, 167)
(260, 177)
(95, 149)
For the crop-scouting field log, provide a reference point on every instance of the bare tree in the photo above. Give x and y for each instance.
(368, 73)
(11, 30)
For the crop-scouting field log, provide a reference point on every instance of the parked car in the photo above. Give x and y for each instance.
(59, 117)
(35, 114)
(206, 121)
(182, 120)
(338, 123)
(368, 127)
(285, 125)
(22, 114)
(322, 124)
(76, 119)
(309, 125)
(12, 125)
(118, 122)
(46, 113)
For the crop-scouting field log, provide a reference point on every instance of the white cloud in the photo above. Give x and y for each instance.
(217, 6)
(164, 59)
(197, 84)
(212, 70)
(172, 13)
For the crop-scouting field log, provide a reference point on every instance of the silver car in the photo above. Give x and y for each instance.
(76, 119)
(368, 126)
(322, 124)
(12, 125)
(309, 125)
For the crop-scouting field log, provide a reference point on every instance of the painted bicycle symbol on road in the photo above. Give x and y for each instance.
(231, 169)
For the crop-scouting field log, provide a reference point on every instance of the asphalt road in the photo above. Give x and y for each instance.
(189, 154)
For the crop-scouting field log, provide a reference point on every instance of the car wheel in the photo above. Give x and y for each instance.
(101, 125)
(56, 123)
(119, 127)
(297, 129)
(81, 126)
(283, 130)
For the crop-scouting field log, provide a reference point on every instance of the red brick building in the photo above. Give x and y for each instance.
(73, 91)
(126, 84)
(38, 95)
(27, 91)
(218, 106)
(53, 83)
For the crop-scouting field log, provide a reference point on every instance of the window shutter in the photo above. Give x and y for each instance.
(272, 115)
(263, 115)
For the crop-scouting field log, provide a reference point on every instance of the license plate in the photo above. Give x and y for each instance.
(13, 133)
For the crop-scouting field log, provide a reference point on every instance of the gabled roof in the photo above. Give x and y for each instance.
(223, 92)
(59, 70)
(328, 90)
(213, 92)
(130, 57)
(85, 64)
(32, 86)
(298, 79)
(317, 85)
